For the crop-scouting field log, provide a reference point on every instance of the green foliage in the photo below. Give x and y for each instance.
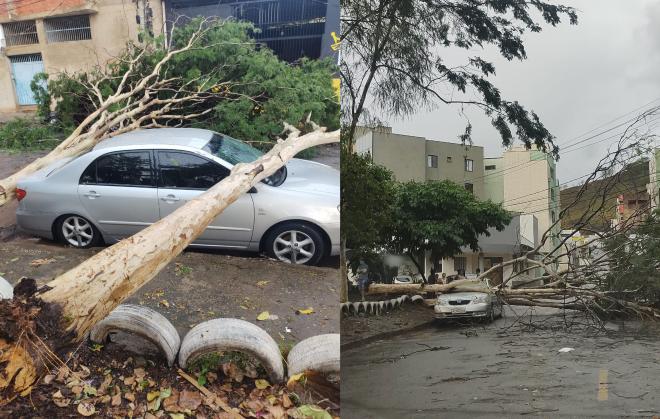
(281, 92)
(367, 194)
(441, 217)
(23, 134)
(395, 53)
(634, 264)
(251, 90)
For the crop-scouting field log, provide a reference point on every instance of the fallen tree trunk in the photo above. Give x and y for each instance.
(459, 285)
(146, 96)
(76, 300)
(558, 297)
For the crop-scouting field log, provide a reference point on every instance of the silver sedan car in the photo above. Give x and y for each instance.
(132, 180)
(472, 304)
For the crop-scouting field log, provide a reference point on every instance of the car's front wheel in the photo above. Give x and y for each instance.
(296, 243)
(77, 231)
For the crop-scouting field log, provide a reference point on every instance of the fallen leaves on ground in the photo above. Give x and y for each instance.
(264, 315)
(86, 409)
(309, 310)
(39, 262)
(314, 412)
(124, 389)
(261, 384)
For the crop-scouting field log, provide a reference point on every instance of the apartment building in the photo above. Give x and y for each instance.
(419, 159)
(64, 35)
(525, 181)
(416, 158)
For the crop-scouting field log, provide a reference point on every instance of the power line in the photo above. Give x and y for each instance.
(563, 184)
(545, 207)
(568, 145)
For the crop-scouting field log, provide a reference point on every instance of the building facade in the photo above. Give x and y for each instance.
(525, 181)
(291, 28)
(64, 36)
(419, 159)
(56, 36)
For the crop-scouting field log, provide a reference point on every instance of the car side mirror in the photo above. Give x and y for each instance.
(252, 190)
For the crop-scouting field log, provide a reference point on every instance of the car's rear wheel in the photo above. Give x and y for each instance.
(296, 243)
(77, 231)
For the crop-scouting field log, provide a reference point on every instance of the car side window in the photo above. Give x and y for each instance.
(187, 171)
(129, 168)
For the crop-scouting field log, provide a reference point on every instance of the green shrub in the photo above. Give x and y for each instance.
(22, 134)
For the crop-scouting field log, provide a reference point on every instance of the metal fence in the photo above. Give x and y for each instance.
(20, 33)
(68, 28)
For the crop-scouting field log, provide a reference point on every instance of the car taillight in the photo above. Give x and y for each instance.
(20, 193)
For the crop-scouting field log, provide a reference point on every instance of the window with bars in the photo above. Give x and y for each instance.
(68, 28)
(259, 12)
(469, 165)
(469, 187)
(432, 161)
(20, 33)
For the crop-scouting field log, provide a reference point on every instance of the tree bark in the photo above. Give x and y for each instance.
(461, 284)
(87, 293)
(343, 297)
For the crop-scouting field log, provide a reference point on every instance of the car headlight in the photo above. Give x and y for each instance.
(480, 298)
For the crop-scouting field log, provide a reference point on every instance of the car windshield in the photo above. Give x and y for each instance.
(231, 150)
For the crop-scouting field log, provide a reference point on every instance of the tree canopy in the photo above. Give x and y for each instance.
(441, 217)
(367, 212)
(260, 90)
(395, 59)
(633, 263)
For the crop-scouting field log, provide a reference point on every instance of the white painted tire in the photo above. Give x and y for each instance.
(6, 290)
(416, 298)
(233, 335)
(143, 322)
(319, 353)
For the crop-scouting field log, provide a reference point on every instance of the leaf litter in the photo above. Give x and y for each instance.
(108, 383)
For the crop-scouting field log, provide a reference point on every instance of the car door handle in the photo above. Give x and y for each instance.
(92, 194)
(170, 198)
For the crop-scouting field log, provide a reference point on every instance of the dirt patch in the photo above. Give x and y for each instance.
(199, 286)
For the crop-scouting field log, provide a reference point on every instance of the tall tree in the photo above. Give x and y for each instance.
(394, 60)
(394, 56)
(634, 263)
(441, 217)
(372, 194)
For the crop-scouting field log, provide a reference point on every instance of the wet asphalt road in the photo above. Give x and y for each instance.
(505, 370)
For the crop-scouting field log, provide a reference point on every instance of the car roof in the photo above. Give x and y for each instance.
(190, 137)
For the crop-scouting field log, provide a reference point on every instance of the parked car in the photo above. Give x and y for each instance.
(132, 180)
(468, 304)
(403, 279)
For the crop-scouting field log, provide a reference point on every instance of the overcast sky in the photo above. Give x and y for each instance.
(576, 77)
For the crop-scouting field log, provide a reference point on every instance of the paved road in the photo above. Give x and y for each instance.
(459, 371)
